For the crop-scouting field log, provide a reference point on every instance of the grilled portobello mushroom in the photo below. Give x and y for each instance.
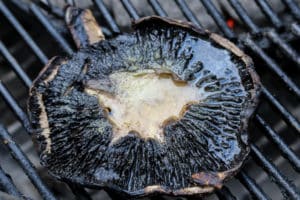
(161, 110)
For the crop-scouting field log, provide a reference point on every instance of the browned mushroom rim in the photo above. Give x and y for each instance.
(204, 182)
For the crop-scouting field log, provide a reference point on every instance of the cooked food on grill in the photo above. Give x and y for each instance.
(161, 110)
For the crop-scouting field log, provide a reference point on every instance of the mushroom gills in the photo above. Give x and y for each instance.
(161, 110)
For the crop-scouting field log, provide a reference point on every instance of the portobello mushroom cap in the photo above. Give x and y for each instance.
(161, 110)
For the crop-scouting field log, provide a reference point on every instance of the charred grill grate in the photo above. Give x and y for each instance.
(277, 60)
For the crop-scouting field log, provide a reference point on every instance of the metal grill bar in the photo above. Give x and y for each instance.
(295, 29)
(157, 8)
(7, 185)
(188, 13)
(225, 194)
(9, 99)
(219, 19)
(106, 31)
(272, 65)
(49, 27)
(15, 65)
(285, 48)
(14, 22)
(130, 9)
(287, 116)
(49, 7)
(242, 13)
(270, 168)
(26, 165)
(287, 152)
(253, 188)
(109, 19)
(157, 198)
(80, 193)
(292, 5)
(269, 13)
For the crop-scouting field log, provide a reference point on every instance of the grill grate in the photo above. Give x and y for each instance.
(257, 44)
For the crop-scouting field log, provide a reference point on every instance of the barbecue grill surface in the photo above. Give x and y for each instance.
(270, 34)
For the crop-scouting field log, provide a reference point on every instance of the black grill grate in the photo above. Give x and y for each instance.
(258, 44)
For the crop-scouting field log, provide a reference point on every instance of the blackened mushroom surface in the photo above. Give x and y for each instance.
(196, 150)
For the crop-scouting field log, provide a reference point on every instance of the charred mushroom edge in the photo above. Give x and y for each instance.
(218, 178)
